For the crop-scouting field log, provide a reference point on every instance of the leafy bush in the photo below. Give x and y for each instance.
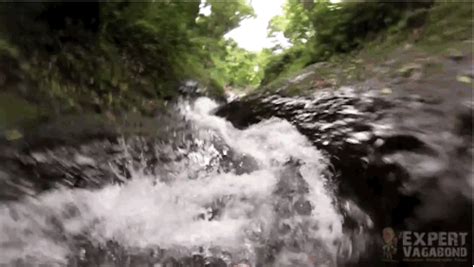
(117, 55)
(322, 29)
(344, 27)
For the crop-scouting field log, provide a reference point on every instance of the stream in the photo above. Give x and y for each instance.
(268, 181)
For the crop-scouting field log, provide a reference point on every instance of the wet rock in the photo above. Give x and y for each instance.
(241, 264)
(465, 120)
(82, 160)
(170, 262)
(303, 207)
(190, 88)
(401, 142)
(284, 229)
(291, 182)
(360, 130)
(215, 262)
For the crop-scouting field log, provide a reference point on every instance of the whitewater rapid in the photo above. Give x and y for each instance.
(276, 191)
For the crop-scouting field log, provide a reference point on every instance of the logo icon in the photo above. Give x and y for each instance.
(390, 243)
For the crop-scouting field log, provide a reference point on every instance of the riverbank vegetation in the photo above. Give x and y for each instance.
(58, 58)
(70, 57)
(341, 32)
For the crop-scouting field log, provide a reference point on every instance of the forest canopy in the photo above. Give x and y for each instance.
(116, 54)
(134, 55)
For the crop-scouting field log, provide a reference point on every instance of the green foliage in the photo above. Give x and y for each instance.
(6, 49)
(449, 20)
(344, 27)
(286, 63)
(225, 16)
(238, 68)
(14, 110)
(119, 55)
(295, 23)
(323, 29)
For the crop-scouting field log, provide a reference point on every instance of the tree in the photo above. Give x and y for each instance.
(295, 23)
(118, 53)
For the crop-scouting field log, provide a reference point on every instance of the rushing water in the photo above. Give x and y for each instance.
(259, 196)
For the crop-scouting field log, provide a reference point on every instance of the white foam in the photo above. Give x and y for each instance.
(146, 212)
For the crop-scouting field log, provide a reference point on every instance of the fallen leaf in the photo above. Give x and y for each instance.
(408, 69)
(13, 134)
(386, 91)
(464, 79)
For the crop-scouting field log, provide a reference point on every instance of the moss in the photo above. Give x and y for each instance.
(15, 111)
(7, 49)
